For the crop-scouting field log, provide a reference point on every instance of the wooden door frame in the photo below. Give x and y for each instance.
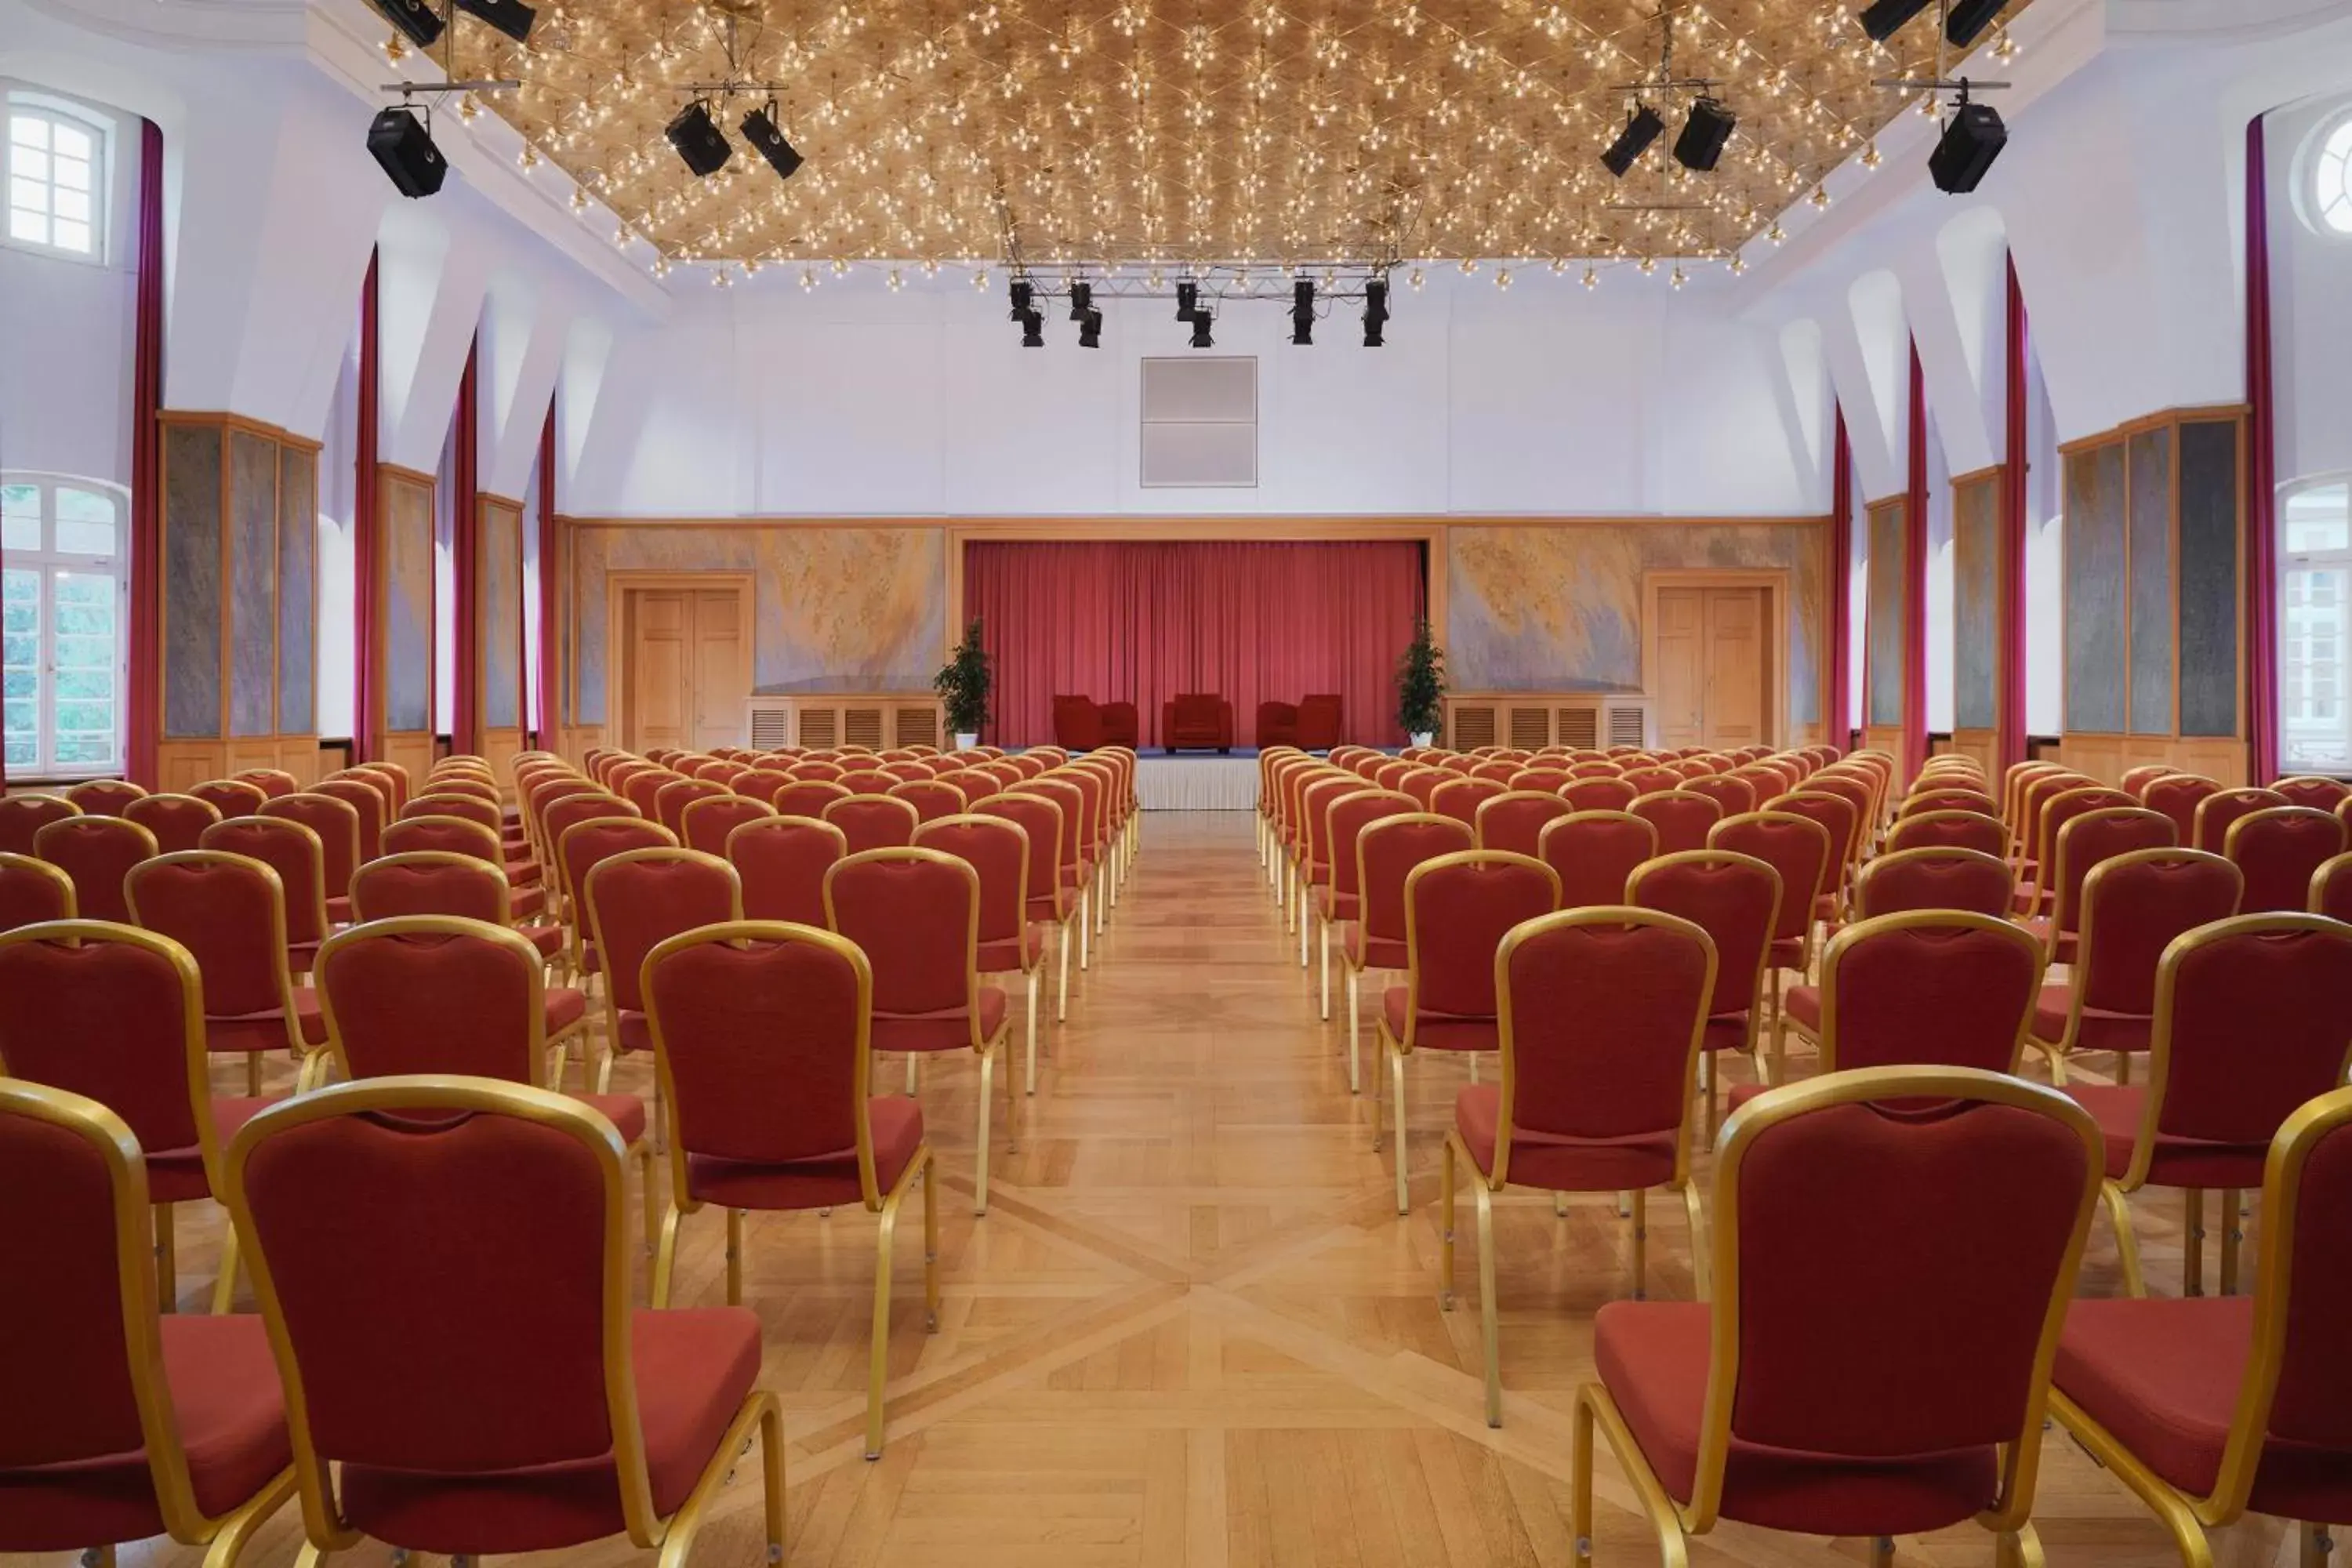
(1774, 582)
(619, 585)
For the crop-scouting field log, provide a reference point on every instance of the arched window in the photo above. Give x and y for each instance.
(2314, 621)
(63, 628)
(57, 180)
(2331, 180)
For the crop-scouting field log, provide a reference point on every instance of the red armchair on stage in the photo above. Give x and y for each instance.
(1312, 724)
(1080, 725)
(1197, 722)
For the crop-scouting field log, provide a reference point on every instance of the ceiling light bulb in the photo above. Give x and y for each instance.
(808, 280)
(1738, 265)
(1776, 234)
(1649, 265)
(1820, 196)
(979, 280)
(529, 157)
(896, 281)
(840, 266)
(467, 108)
(2006, 49)
(1414, 280)
(661, 266)
(1593, 277)
(1503, 278)
(1870, 158)
(579, 200)
(1678, 279)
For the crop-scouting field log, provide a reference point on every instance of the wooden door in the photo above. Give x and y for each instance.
(1714, 669)
(721, 672)
(1681, 675)
(661, 671)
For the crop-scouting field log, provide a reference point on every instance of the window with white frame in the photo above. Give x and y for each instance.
(57, 180)
(2331, 180)
(2315, 620)
(63, 670)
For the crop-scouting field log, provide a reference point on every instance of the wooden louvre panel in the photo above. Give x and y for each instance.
(861, 726)
(1473, 726)
(1580, 728)
(1626, 726)
(1530, 728)
(914, 727)
(768, 726)
(820, 726)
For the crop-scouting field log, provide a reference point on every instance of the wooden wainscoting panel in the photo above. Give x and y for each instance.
(180, 764)
(1887, 738)
(2104, 757)
(414, 751)
(2222, 760)
(500, 748)
(1979, 746)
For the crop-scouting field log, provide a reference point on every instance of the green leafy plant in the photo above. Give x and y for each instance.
(963, 684)
(1420, 684)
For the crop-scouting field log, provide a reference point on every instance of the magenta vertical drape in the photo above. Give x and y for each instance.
(2261, 476)
(2010, 657)
(367, 551)
(547, 653)
(144, 732)
(466, 562)
(1837, 726)
(1914, 579)
(1142, 621)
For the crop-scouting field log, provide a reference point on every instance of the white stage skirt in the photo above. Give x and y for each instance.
(1197, 782)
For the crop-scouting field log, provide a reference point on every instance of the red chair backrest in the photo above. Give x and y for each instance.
(336, 823)
(868, 781)
(1515, 820)
(915, 913)
(705, 824)
(229, 912)
(2177, 796)
(817, 769)
(22, 815)
(33, 890)
(1064, 795)
(1950, 799)
(1461, 798)
(639, 898)
(177, 821)
(1421, 783)
(1540, 779)
(2308, 1197)
(368, 809)
(2260, 1020)
(1598, 792)
(931, 798)
(1457, 909)
(1682, 818)
(670, 800)
(2331, 889)
(2001, 1186)
(111, 1014)
(2278, 851)
(1937, 988)
(1387, 851)
(584, 844)
(759, 784)
(1314, 802)
(271, 782)
(394, 776)
(1595, 769)
(781, 862)
(2086, 838)
(1797, 847)
(453, 803)
(292, 851)
(1651, 780)
(1735, 796)
(1949, 830)
(1937, 877)
(430, 883)
(808, 797)
(106, 798)
(449, 835)
(1594, 852)
(400, 999)
(2219, 811)
(643, 790)
(1834, 812)
(874, 821)
(2320, 794)
(1734, 898)
(2134, 906)
(1499, 772)
(97, 853)
(1602, 1011)
(997, 849)
(1041, 819)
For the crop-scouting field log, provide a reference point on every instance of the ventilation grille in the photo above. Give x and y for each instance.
(771, 726)
(1579, 729)
(1473, 726)
(862, 726)
(1626, 727)
(1530, 728)
(820, 726)
(1200, 423)
(914, 727)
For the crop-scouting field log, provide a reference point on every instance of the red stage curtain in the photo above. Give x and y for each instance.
(1141, 621)
(1837, 725)
(1915, 581)
(466, 564)
(2261, 476)
(145, 729)
(2011, 750)
(367, 664)
(551, 660)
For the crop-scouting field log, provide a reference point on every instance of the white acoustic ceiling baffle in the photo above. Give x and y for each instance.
(1200, 421)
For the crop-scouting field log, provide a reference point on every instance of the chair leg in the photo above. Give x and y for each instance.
(930, 1243)
(2123, 1070)
(1326, 963)
(2192, 1242)
(167, 1261)
(1306, 926)
(253, 1075)
(1473, 1068)
(1882, 1551)
(1355, 1026)
(1086, 929)
(2127, 1240)
(734, 1257)
(235, 1532)
(878, 1361)
(1580, 1485)
(2314, 1545)
(1641, 1244)
(1702, 1257)
(1487, 1327)
(2019, 1547)
(1030, 1019)
(1062, 987)
(2232, 1234)
(911, 1059)
(987, 1101)
(1559, 1205)
(1396, 1086)
(666, 1256)
(1445, 1226)
(644, 1152)
(225, 1282)
(772, 1476)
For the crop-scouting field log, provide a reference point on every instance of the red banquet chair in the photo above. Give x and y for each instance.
(781, 862)
(2134, 907)
(1011, 942)
(1077, 868)
(293, 852)
(1515, 821)
(2058, 814)
(460, 881)
(1838, 816)
(99, 853)
(1387, 850)
(1735, 899)
(874, 821)
(2331, 890)
(578, 848)
(1314, 865)
(337, 823)
(104, 797)
(228, 911)
(1461, 798)
(2319, 793)
(933, 798)
(1457, 909)
(916, 915)
(2278, 851)
(116, 1014)
(1934, 878)
(233, 798)
(635, 900)
(24, 815)
(1949, 830)
(2219, 811)
(443, 994)
(1600, 1012)
(2084, 842)
(1819, 1395)
(763, 1040)
(807, 797)
(2253, 1016)
(1593, 853)
(1799, 852)
(2211, 1408)
(705, 824)
(31, 891)
(671, 799)
(2179, 795)
(1052, 900)
(177, 821)
(122, 1425)
(368, 806)
(520, 1404)
(1338, 900)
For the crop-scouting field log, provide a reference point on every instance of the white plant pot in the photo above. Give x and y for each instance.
(1422, 737)
(965, 742)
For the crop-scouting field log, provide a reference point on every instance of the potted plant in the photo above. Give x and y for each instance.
(1421, 686)
(962, 684)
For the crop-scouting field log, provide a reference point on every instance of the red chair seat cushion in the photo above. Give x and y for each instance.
(1332, 907)
(1825, 908)
(1725, 1032)
(524, 902)
(1560, 1164)
(1439, 1031)
(635, 1033)
(1652, 1358)
(2101, 1031)
(950, 1031)
(2069, 943)
(1371, 953)
(176, 1175)
(266, 1031)
(1803, 1003)
(694, 1369)
(626, 1112)
(1014, 955)
(339, 910)
(548, 939)
(522, 873)
(827, 1181)
(1054, 907)
(1786, 952)
(565, 1007)
(2175, 1162)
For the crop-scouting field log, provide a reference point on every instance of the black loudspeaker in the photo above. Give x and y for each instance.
(416, 18)
(1884, 19)
(1971, 142)
(405, 148)
(1633, 141)
(1090, 329)
(1033, 329)
(696, 136)
(760, 131)
(1966, 18)
(1082, 300)
(511, 17)
(1700, 145)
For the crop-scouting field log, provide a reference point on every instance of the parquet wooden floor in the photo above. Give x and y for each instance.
(1192, 1330)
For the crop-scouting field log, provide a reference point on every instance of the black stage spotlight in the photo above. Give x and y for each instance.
(760, 131)
(1082, 300)
(1966, 18)
(1376, 311)
(511, 17)
(1302, 312)
(1642, 130)
(697, 140)
(1700, 145)
(1201, 320)
(1188, 300)
(416, 19)
(405, 148)
(1971, 142)
(1033, 329)
(1090, 329)
(1022, 294)
(1882, 18)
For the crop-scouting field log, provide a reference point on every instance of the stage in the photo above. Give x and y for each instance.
(1197, 780)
